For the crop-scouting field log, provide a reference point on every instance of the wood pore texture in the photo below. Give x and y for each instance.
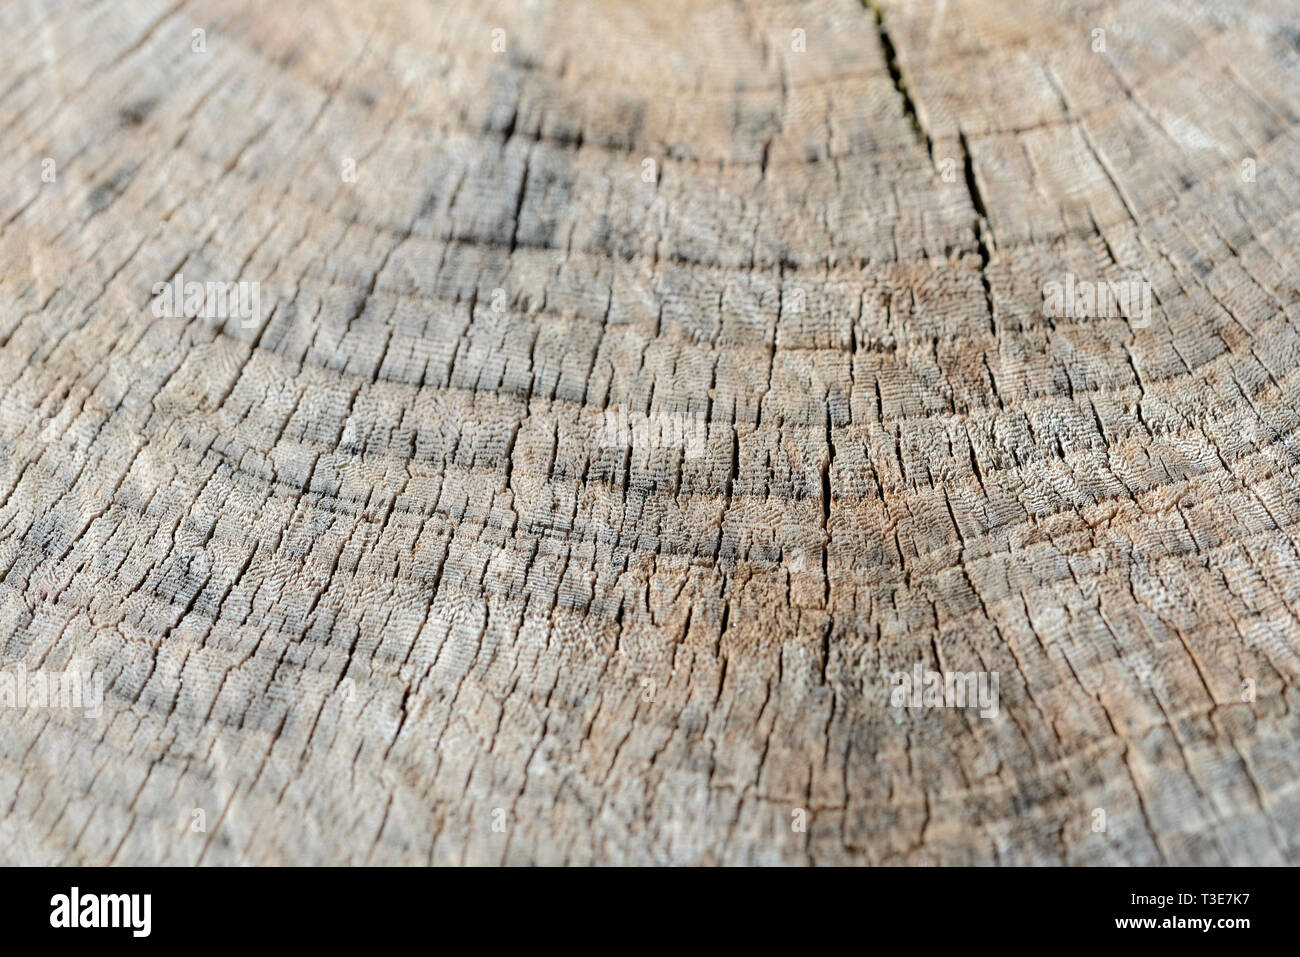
(364, 580)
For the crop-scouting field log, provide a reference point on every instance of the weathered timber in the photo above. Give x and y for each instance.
(386, 573)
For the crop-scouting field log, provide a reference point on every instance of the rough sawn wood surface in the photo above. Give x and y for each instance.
(361, 581)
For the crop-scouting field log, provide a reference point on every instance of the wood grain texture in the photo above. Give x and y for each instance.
(363, 581)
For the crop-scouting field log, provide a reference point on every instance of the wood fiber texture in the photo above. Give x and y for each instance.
(367, 581)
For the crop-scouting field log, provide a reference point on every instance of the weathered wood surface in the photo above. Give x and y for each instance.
(362, 582)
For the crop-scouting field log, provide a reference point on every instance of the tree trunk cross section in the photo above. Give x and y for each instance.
(613, 399)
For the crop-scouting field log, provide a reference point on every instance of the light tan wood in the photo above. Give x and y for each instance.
(373, 580)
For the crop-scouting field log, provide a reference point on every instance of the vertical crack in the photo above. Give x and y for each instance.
(826, 504)
(980, 225)
(896, 74)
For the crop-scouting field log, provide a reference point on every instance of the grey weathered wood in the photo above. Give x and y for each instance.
(359, 576)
